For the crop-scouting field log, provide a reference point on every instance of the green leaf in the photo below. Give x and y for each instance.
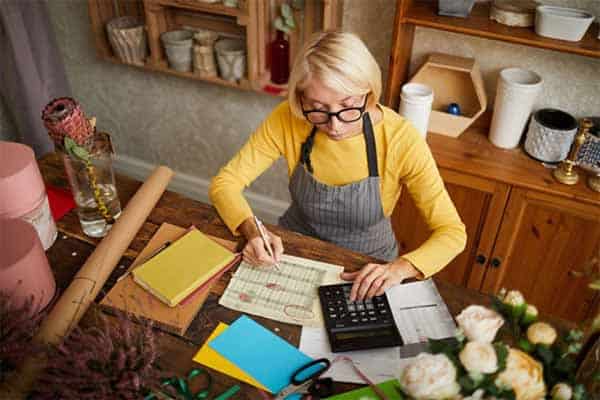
(290, 22)
(298, 5)
(526, 345)
(565, 365)
(449, 346)
(286, 11)
(545, 354)
(280, 26)
(69, 143)
(81, 153)
(574, 335)
(467, 384)
(501, 355)
(596, 376)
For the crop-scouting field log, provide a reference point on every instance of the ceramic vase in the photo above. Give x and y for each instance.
(516, 94)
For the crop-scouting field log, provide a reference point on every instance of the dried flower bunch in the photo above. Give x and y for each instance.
(117, 360)
(18, 324)
(473, 366)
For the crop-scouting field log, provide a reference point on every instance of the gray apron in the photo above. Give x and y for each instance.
(351, 215)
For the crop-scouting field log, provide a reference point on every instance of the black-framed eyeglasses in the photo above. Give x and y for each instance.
(350, 114)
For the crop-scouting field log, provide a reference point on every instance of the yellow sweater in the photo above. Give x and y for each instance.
(403, 157)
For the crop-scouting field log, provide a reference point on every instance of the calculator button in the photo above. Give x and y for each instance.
(373, 319)
(333, 316)
(384, 311)
(360, 307)
(364, 320)
(355, 320)
(351, 307)
(371, 313)
(370, 306)
(362, 313)
(353, 314)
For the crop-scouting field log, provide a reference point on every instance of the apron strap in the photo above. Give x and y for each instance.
(370, 143)
(307, 148)
(308, 144)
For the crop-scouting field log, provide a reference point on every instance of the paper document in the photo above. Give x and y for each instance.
(288, 295)
(419, 312)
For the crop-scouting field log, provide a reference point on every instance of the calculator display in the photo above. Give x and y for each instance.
(355, 325)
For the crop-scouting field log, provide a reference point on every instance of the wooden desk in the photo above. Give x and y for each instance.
(72, 248)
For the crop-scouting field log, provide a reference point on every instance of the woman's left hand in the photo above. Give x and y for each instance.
(375, 279)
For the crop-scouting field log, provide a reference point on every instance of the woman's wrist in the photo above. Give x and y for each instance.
(405, 268)
(248, 229)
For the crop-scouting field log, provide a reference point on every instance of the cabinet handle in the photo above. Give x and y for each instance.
(480, 259)
(495, 262)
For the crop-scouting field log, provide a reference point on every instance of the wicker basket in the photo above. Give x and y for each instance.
(127, 36)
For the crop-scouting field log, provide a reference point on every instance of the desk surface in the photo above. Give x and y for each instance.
(72, 249)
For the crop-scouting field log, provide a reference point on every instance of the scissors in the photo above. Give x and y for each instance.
(307, 381)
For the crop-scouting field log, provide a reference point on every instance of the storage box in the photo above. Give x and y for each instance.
(453, 80)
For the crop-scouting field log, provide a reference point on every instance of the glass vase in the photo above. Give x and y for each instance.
(280, 59)
(92, 182)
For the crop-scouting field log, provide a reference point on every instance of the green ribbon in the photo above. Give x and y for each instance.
(181, 386)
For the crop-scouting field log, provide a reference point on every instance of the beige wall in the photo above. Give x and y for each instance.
(195, 127)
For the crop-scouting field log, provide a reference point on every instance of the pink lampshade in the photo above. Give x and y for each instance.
(24, 268)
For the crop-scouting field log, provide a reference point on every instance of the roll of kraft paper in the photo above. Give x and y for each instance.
(86, 284)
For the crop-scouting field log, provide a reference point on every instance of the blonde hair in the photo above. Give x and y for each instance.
(341, 61)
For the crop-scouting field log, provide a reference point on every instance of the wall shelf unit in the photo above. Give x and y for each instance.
(423, 13)
(251, 21)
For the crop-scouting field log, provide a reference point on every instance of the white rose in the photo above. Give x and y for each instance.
(430, 377)
(524, 375)
(477, 395)
(479, 324)
(479, 358)
(562, 391)
(541, 333)
(514, 298)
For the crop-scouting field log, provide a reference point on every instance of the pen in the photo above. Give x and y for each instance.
(263, 235)
(154, 253)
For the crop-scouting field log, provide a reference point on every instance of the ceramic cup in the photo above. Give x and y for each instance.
(24, 268)
(415, 105)
(550, 135)
(517, 92)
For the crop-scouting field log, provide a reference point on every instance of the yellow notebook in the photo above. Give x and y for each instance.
(182, 267)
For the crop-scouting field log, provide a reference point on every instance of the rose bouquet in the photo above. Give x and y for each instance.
(533, 363)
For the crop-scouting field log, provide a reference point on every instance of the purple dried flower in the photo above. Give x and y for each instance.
(18, 325)
(114, 361)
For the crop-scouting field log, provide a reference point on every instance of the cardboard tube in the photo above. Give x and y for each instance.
(86, 284)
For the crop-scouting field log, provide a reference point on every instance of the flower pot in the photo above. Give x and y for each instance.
(231, 56)
(455, 8)
(127, 36)
(550, 135)
(178, 46)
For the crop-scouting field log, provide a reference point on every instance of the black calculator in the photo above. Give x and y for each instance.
(357, 325)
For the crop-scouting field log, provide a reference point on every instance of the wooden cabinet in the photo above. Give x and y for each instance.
(541, 242)
(518, 239)
(251, 21)
(480, 203)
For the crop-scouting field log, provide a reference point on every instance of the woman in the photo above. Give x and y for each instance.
(347, 158)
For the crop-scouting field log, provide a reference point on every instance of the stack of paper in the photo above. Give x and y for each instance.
(251, 353)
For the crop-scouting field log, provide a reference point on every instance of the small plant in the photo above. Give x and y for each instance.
(117, 360)
(18, 324)
(285, 22)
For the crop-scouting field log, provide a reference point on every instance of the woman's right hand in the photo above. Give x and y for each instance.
(254, 252)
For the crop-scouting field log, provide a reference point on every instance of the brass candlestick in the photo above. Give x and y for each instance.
(565, 173)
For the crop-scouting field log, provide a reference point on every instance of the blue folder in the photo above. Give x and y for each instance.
(259, 352)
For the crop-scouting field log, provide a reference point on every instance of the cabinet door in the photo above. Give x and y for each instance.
(480, 203)
(542, 240)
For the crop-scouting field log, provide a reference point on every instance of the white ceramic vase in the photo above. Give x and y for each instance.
(415, 105)
(231, 57)
(516, 94)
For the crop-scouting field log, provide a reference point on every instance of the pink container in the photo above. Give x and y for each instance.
(22, 191)
(24, 268)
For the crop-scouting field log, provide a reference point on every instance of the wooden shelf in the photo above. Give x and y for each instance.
(424, 13)
(212, 8)
(474, 154)
(251, 22)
